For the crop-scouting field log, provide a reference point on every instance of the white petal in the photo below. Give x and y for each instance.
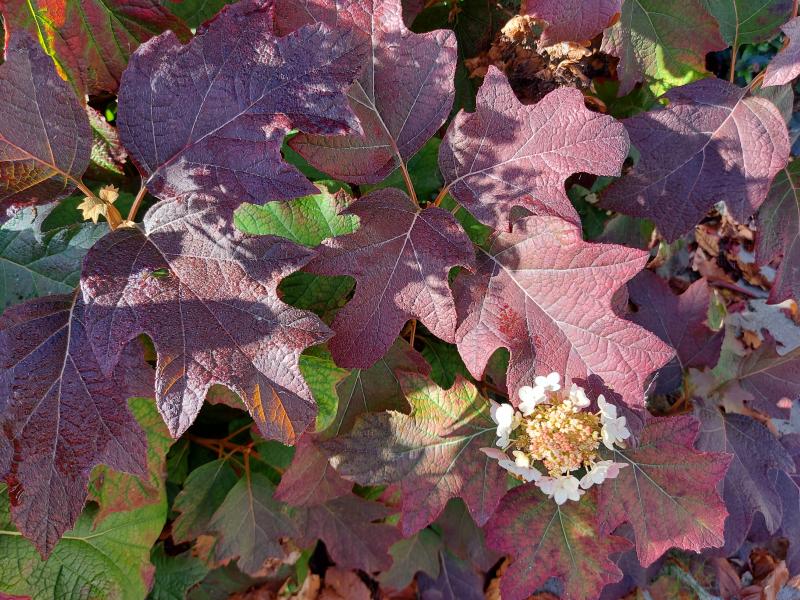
(504, 415)
(521, 459)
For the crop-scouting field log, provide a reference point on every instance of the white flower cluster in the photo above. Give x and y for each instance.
(556, 430)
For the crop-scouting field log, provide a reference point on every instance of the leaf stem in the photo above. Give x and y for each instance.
(137, 202)
(441, 195)
(407, 179)
(734, 53)
(413, 333)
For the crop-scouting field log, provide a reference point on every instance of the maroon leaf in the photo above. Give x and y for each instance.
(403, 96)
(456, 581)
(710, 144)
(377, 388)
(217, 290)
(778, 233)
(678, 320)
(506, 154)
(547, 540)
(310, 480)
(400, 257)
(91, 40)
(434, 453)
(786, 64)
(222, 103)
(546, 295)
(747, 488)
(790, 529)
(668, 492)
(572, 20)
(353, 534)
(45, 138)
(62, 417)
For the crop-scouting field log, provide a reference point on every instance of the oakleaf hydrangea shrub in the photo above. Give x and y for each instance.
(287, 279)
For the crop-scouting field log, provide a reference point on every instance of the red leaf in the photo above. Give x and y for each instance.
(711, 143)
(310, 480)
(400, 257)
(506, 154)
(678, 320)
(403, 96)
(546, 295)
(91, 40)
(222, 103)
(217, 290)
(434, 453)
(547, 540)
(572, 20)
(778, 233)
(45, 140)
(668, 492)
(63, 416)
(786, 65)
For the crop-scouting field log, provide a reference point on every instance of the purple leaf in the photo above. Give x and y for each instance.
(217, 291)
(456, 581)
(403, 96)
(678, 320)
(310, 480)
(667, 492)
(778, 233)
(547, 540)
(62, 417)
(506, 154)
(45, 140)
(786, 65)
(790, 529)
(546, 295)
(747, 488)
(711, 143)
(434, 453)
(211, 115)
(400, 257)
(572, 20)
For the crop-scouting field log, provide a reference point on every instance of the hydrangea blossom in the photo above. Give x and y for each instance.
(554, 429)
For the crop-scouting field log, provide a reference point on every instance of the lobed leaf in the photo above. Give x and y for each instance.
(45, 140)
(403, 96)
(572, 20)
(744, 22)
(310, 480)
(400, 258)
(784, 67)
(434, 453)
(416, 554)
(217, 288)
(506, 154)
(711, 143)
(456, 581)
(222, 104)
(547, 296)
(547, 540)
(203, 492)
(668, 492)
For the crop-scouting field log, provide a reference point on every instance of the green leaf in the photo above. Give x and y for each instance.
(322, 376)
(34, 264)
(317, 293)
(195, 12)
(175, 574)
(749, 22)
(445, 362)
(307, 220)
(477, 231)
(423, 168)
(203, 493)
(101, 558)
(418, 553)
(107, 155)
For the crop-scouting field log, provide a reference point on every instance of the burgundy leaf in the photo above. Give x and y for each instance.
(353, 533)
(778, 233)
(377, 388)
(403, 96)
(678, 320)
(506, 154)
(667, 492)
(710, 144)
(91, 40)
(310, 480)
(572, 20)
(747, 488)
(786, 64)
(456, 581)
(207, 296)
(547, 540)
(434, 453)
(45, 138)
(400, 257)
(62, 417)
(546, 295)
(790, 529)
(211, 115)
